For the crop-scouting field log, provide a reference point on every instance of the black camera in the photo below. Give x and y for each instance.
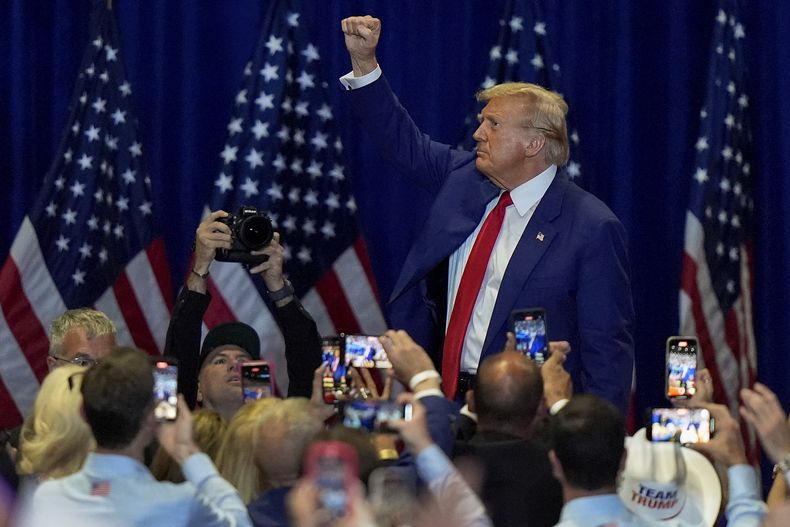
(251, 231)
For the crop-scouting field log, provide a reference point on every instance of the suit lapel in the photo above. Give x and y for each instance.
(534, 243)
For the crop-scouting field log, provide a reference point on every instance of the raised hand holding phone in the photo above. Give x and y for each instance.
(681, 367)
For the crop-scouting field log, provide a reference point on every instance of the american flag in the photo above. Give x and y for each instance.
(522, 54)
(283, 155)
(716, 290)
(89, 240)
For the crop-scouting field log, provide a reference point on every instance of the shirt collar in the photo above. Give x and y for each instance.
(609, 505)
(529, 193)
(111, 465)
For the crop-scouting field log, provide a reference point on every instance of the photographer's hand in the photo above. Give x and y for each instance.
(272, 269)
(209, 236)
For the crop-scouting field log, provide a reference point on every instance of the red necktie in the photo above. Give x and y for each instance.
(467, 293)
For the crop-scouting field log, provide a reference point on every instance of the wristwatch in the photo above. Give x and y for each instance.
(783, 466)
(284, 292)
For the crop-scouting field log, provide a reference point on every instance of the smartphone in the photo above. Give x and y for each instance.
(165, 389)
(374, 416)
(529, 327)
(365, 351)
(684, 425)
(681, 367)
(334, 383)
(333, 468)
(256, 380)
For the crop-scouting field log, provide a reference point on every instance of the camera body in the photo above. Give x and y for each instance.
(251, 230)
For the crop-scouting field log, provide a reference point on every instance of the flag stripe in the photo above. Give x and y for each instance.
(157, 256)
(145, 286)
(361, 251)
(19, 379)
(219, 311)
(315, 305)
(349, 272)
(133, 315)
(338, 306)
(10, 416)
(107, 303)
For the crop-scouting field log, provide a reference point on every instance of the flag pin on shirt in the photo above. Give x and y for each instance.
(540, 236)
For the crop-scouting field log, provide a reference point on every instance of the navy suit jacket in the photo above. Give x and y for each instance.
(571, 260)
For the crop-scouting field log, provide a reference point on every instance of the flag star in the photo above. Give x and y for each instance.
(99, 195)
(98, 43)
(729, 121)
(83, 98)
(338, 145)
(250, 187)
(290, 223)
(725, 185)
(289, 76)
(274, 44)
(283, 134)
(85, 250)
(747, 168)
(269, 72)
(60, 182)
(90, 71)
(293, 19)
(145, 208)
(540, 28)
(275, 218)
(105, 77)
(721, 17)
(351, 205)
(337, 172)
(103, 255)
(85, 162)
(62, 243)
(702, 144)
(293, 195)
(310, 198)
(735, 221)
(254, 158)
(67, 155)
(275, 192)
(325, 112)
(743, 101)
(286, 105)
(574, 170)
(129, 176)
(311, 53)
(301, 109)
(731, 88)
(328, 230)
(229, 153)
(730, 286)
(487, 83)
(51, 209)
(495, 53)
(118, 231)
(264, 101)
(224, 183)
(739, 32)
(279, 163)
(70, 217)
(701, 175)
(703, 113)
(738, 157)
(78, 277)
(575, 137)
(77, 189)
(296, 166)
(100, 105)
(516, 24)
(314, 169)
(147, 181)
(122, 204)
(248, 69)
(319, 141)
(136, 149)
(111, 142)
(298, 137)
(734, 254)
(126, 89)
(103, 166)
(720, 249)
(308, 227)
(234, 127)
(731, 55)
(92, 134)
(286, 252)
(118, 116)
(305, 80)
(112, 53)
(241, 98)
(736, 189)
(726, 153)
(512, 56)
(93, 223)
(108, 198)
(304, 255)
(260, 129)
(332, 201)
(537, 61)
(722, 217)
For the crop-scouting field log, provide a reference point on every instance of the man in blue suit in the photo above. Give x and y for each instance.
(558, 248)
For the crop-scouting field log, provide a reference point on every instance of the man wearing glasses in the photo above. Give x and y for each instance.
(80, 336)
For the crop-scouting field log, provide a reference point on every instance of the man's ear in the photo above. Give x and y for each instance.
(534, 145)
(51, 362)
(470, 401)
(556, 467)
(199, 394)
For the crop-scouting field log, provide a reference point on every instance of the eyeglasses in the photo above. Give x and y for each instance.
(85, 362)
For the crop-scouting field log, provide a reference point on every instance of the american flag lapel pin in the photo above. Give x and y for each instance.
(540, 236)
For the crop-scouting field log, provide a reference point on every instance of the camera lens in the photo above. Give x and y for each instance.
(255, 232)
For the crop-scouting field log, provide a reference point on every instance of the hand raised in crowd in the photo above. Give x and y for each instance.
(177, 438)
(209, 236)
(361, 34)
(703, 393)
(363, 386)
(407, 357)
(321, 408)
(762, 410)
(557, 384)
(726, 446)
(272, 269)
(414, 432)
(304, 508)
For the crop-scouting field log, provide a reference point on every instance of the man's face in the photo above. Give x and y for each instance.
(77, 345)
(219, 385)
(502, 141)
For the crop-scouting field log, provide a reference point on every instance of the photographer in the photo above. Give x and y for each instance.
(208, 375)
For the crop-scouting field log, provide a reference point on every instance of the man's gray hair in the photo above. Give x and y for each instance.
(93, 322)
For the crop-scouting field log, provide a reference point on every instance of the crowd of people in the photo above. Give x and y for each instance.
(485, 436)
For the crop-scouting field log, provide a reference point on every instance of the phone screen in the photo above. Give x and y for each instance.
(681, 367)
(684, 425)
(529, 327)
(165, 390)
(374, 416)
(256, 380)
(365, 351)
(333, 468)
(334, 382)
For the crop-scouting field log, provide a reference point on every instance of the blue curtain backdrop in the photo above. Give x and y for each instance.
(635, 75)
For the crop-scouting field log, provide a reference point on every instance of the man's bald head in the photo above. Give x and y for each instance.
(508, 390)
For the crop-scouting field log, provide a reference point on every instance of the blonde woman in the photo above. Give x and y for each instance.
(209, 429)
(55, 440)
(235, 459)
